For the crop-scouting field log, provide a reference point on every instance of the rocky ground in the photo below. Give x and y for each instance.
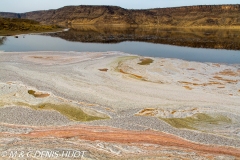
(114, 105)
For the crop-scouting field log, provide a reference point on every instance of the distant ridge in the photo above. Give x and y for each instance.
(188, 16)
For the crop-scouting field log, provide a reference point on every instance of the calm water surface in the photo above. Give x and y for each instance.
(48, 43)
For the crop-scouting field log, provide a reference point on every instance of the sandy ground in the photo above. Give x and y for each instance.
(168, 107)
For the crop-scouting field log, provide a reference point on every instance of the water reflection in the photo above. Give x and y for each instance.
(88, 43)
(197, 38)
(2, 40)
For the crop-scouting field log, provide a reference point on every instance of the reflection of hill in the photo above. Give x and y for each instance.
(2, 39)
(198, 38)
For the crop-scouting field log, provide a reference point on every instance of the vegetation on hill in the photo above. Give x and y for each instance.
(190, 16)
(11, 26)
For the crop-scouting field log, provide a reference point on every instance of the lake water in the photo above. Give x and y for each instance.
(152, 49)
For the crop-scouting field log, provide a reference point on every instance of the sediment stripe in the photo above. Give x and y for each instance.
(108, 134)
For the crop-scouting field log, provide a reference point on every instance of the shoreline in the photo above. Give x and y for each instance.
(154, 26)
(13, 33)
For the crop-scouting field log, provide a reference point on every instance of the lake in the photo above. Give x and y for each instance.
(217, 46)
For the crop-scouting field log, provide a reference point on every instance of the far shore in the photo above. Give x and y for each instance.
(13, 33)
(153, 26)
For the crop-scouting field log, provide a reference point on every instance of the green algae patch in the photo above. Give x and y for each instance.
(145, 61)
(71, 112)
(2, 104)
(196, 121)
(120, 60)
(124, 58)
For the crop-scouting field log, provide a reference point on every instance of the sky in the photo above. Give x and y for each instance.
(20, 6)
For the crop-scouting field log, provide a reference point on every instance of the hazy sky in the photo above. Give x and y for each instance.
(32, 5)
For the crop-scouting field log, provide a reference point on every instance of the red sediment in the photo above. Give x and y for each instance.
(191, 69)
(136, 76)
(108, 134)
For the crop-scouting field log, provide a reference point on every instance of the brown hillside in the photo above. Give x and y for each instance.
(206, 16)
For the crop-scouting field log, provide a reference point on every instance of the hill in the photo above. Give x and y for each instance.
(10, 26)
(190, 16)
